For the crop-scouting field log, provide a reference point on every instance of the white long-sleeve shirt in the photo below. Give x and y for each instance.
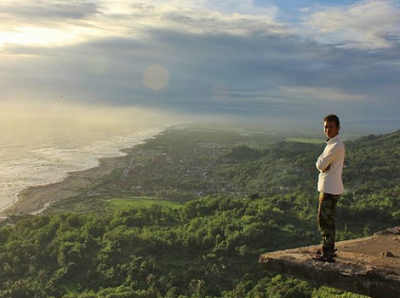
(330, 179)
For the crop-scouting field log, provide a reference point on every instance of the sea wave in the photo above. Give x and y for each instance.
(52, 162)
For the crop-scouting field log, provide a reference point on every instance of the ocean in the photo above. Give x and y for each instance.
(38, 155)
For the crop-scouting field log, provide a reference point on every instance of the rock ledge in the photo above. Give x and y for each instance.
(368, 266)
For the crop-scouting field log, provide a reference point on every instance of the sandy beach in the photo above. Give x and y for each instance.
(33, 199)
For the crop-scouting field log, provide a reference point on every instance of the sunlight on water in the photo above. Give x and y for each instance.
(27, 164)
(38, 150)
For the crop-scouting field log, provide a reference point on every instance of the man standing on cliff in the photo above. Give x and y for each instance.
(330, 187)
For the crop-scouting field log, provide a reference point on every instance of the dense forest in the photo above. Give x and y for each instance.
(263, 199)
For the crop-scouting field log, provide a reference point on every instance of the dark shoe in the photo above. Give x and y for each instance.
(324, 258)
(320, 251)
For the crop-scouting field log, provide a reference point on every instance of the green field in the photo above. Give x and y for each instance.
(118, 203)
(306, 140)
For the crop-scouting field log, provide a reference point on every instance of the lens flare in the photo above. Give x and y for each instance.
(155, 77)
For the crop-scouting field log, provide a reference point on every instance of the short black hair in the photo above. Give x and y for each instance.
(334, 118)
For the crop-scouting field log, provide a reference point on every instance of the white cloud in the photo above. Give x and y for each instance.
(198, 17)
(233, 6)
(43, 23)
(369, 24)
(319, 93)
(60, 23)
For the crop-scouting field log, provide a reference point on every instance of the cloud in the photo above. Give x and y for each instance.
(199, 17)
(43, 23)
(197, 56)
(43, 14)
(370, 24)
(30, 11)
(320, 93)
(60, 23)
(201, 73)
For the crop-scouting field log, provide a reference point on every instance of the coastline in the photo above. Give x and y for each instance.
(35, 199)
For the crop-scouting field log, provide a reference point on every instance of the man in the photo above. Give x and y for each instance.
(330, 187)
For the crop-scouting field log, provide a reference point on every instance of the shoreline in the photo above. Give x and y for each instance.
(35, 199)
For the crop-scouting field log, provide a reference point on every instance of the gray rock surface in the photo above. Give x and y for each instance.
(368, 266)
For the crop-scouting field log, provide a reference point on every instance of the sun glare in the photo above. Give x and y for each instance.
(116, 7)
(40, 36)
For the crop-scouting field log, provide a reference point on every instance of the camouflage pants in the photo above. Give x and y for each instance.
(326, 220)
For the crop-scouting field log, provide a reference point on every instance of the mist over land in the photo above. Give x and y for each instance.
(43, 145)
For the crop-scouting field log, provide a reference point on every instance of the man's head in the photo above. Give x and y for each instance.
(331, 126)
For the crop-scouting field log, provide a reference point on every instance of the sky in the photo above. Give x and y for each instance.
(244, 59)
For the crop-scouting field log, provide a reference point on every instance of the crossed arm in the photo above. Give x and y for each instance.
(326, 159)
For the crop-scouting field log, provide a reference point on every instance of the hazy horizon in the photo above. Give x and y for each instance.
(42, 147)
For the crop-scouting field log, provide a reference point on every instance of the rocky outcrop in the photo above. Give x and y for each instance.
(368, 266)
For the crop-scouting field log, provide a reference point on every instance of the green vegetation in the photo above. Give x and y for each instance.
(179, 165)
(207, 248)
(243, 194)
(306, 140)
(141, 202)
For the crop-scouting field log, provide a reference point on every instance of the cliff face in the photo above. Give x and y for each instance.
(368, 266)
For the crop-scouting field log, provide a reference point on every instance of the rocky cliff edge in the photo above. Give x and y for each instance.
(368, 266)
